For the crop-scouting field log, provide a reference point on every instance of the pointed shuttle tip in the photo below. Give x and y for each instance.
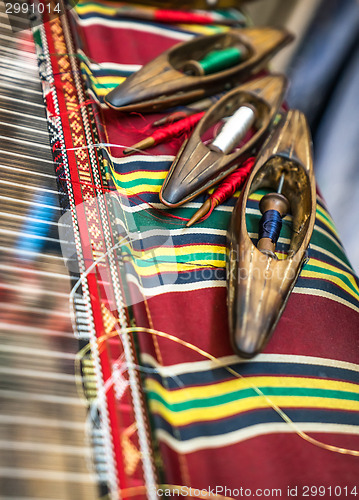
(171, 195)
(246, 346)
(118, 99)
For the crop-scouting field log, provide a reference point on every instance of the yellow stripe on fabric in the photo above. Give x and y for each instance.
(98, 83)
(200, 29)
(187, 417)
(140, 174)
(115, 80)
(336, 278)
(173, 267)
(141, 188)
(330, 255)
(327, 223)
(332, 268)
(93, 8)
(179, 251)
(333, 279)
(209, 391)
(255, 197)
(327, 216)
(89, 8)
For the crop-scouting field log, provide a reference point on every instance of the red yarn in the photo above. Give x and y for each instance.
(174, 117)
(174, 16)
(233, 182)
(230, 185)
(178, 128)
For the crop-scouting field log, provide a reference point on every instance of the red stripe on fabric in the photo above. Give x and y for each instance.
(173, 16)
(309, 326)
(268, 461)
(88, 257)
(125, 49)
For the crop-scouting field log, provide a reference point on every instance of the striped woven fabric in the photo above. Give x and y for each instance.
(215, 428)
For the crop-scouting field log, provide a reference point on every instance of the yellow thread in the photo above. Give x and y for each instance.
(279, 411)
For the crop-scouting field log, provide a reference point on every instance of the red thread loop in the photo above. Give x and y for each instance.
(233, 182)
(176, 129)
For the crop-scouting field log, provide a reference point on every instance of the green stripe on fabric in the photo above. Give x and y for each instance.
(339, 274)
(321, 240)
(250, 393)
(138, 181)
(181, 259)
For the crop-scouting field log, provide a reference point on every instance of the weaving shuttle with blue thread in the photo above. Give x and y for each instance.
(258, 283)
(274, 206)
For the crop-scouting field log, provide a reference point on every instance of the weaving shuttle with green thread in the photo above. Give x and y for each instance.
(163, 82)
(258, 284)
(199, 166)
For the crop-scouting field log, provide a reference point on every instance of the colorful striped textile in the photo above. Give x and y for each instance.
(217, 420)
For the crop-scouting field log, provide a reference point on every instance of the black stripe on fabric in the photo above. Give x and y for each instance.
(323, 257)
(326, 228)
(324, 285)
(140, 166)
(181, 240)
(248, 419)
(258, 369)
(201, 274)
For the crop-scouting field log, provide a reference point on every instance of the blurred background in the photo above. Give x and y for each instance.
(323, 69)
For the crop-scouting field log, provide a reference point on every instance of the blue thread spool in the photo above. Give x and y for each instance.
(274, 206)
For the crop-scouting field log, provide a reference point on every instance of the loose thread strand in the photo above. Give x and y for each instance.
(274, 406)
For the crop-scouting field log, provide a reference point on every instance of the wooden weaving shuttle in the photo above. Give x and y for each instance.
(258, 284)
(162, 83)
(197, 167)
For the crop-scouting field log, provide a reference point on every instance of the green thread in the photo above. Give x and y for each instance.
(218, 60)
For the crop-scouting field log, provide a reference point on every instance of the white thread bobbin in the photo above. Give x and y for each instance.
(234, 130)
